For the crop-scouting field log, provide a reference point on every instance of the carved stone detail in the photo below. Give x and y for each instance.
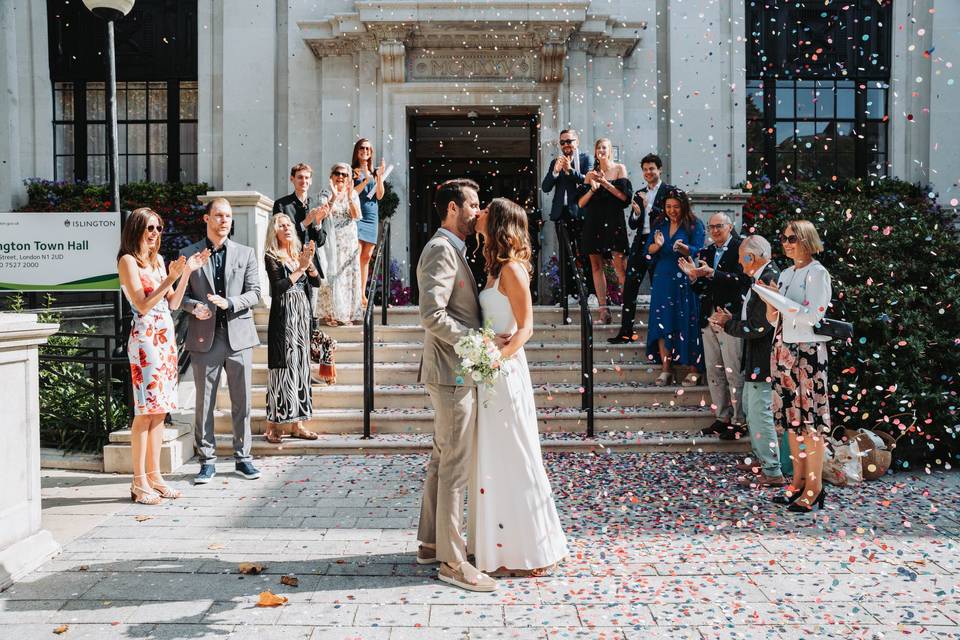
(433, 65)
(392, 61)
(552, 55)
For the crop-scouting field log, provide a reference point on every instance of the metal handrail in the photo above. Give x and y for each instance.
(586, 323)
(382, 266)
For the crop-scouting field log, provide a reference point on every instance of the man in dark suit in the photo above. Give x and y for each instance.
(646, 209)
(565, 179)
(721, 352)
(752, 327)
(305, 218)
(222, 338)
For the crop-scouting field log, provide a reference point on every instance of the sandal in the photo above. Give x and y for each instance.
(605, 317)
(692, 379)
(664, 379)
(273, 436)
(163, 489)
(142, 496)
(304, 434)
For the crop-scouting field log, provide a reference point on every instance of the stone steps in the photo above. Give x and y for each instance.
(410, 333)
(648, 442)
(551, 419)
(389, 373)
(350, 396)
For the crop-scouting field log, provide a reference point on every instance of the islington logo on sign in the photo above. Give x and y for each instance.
(59, 251)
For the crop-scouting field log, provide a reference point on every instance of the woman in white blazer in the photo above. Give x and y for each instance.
(798, 365)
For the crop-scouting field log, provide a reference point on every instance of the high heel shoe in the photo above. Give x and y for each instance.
(788, 497)
(799, 507)
(142, 496)
(162, 488)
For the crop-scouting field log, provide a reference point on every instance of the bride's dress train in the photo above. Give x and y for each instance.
(513, 520)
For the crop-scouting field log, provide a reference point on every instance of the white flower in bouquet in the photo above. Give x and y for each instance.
(480, 358)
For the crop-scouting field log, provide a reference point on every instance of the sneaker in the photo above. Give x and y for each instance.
(247, 470)
(622, 338)
(207, 471)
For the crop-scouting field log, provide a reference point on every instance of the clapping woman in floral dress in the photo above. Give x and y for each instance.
(152, 346)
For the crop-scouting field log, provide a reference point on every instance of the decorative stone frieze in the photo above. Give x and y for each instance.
(428, 65)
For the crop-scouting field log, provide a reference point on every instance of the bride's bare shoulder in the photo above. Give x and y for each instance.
(513, 275)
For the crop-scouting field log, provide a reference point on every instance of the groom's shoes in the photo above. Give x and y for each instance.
(426, 555)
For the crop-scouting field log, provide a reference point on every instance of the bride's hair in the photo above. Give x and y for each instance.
(507, 238)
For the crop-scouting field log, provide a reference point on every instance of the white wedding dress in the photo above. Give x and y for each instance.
(513, 520)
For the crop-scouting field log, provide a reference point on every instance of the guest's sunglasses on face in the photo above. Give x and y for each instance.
(154, 227)
(340, 174)
(567, 141)
(365, 149)
(716, 227)
(791, 239)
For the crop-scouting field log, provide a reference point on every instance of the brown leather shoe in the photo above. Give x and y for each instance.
(762, 481)
(426, 555)
(466, 576)
(743, 467)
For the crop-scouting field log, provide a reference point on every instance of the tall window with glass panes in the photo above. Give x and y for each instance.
(156, 53)
(817, 88)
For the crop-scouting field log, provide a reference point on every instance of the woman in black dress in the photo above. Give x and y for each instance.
(604, 228)
(292, 276)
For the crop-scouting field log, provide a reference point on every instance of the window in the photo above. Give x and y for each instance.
(156, 93)
(817, 88)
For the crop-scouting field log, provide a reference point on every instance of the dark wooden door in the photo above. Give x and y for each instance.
(498, 152)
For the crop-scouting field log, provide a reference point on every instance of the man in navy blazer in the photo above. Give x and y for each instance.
(646, 210)
(565, 178)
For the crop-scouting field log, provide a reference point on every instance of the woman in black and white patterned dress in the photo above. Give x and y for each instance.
(292, 276)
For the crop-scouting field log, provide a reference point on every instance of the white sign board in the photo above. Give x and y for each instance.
(59, 251)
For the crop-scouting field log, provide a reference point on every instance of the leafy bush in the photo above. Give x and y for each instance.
(389, 202)
(74, 416)
(892, 254)
(176, 203)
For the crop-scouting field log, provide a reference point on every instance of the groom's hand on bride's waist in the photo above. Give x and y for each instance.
(502, 340)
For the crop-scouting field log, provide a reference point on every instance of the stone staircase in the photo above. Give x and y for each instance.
(630, 411)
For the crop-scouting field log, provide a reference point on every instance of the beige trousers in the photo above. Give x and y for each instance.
(449, 470)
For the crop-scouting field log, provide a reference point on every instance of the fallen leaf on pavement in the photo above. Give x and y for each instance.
(142, 518)
(270, 599)
(62, 629)
(290, 581)
(251, 569)
(217, 545)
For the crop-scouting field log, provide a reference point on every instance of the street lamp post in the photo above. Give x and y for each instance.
(111, 11)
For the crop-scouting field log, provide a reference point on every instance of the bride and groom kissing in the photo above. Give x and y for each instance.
(485, 441)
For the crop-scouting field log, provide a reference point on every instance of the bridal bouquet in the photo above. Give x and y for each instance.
(480, 358)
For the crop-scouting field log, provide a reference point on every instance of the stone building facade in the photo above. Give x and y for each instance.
(483, 87)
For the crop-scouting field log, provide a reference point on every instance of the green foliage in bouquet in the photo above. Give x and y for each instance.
(892, 254)
(176, 203)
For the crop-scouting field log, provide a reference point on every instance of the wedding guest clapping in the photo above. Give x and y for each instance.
(152, 345)
(339, 300)
(605, 228)
(799, 363)
(368, 183)
(755, 332)
(674, 333)
(292, 276)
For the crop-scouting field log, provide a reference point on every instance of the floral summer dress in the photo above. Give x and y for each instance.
(152, 350)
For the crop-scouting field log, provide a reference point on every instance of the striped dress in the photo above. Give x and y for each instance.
(288, 389)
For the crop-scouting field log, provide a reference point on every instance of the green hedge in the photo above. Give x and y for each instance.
(892, 253)
(176, 203)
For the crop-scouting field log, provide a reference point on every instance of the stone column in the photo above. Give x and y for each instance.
(24, 545)
(251, 214)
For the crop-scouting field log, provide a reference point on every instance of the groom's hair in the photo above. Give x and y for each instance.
(453, 191)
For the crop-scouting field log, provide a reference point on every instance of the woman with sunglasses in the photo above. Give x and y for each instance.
(152, 345)
(339, 297)
(799, 362)
(368, 183)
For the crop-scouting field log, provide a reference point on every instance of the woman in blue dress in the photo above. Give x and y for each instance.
(368, 183)
(673, 336)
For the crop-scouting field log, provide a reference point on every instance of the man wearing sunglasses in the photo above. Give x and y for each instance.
(565, 179)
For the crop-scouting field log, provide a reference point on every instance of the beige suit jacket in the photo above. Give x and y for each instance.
(449, 308)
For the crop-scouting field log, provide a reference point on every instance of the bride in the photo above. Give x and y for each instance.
(513, 523)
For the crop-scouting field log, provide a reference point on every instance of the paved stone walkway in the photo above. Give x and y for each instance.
(664, 546)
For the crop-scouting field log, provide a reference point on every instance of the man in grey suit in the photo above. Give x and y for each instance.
(222, 338)
(449, 309)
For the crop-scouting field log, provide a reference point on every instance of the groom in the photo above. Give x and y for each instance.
(449, 309)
